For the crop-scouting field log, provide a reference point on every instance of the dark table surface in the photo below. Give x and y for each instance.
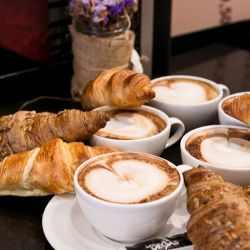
(20, 218)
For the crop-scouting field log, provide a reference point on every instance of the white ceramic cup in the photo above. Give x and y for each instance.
(226, 119)
(152, 145)
(127, 222)
(237, 175)
(192, 115)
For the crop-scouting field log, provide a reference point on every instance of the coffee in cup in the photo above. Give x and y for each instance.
(224, 147)
(128, 196)
(129, 178)
(184, 91)
(143, 129)
(194, 100)
(128, 124)
(221, 148)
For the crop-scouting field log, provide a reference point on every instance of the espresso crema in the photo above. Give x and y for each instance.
(129, 178)
(131, 124)
(184, 91)
(222, 147)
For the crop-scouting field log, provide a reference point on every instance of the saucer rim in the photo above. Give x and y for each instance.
(55, 241)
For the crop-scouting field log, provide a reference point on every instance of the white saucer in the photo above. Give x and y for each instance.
(66, 227)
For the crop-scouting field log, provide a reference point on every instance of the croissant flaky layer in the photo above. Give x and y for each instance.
(46, 170)
(219, 212)
(118, 87)
(239, 107)
(26, 130)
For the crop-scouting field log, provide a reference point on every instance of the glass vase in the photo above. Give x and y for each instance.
(88, 27)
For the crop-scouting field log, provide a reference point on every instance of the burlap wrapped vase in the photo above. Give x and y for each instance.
(93, 54)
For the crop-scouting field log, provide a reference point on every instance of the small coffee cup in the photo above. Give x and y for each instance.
(193, 114)
(127, 222)
(226, 119)
(154, 144)
(231, 169)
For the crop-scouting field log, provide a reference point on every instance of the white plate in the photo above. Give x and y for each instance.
(66, 227)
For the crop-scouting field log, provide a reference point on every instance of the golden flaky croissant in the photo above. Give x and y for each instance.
(26, 130)
(239, 107)
(247, 190)
(46, 170)
(118, 87)
(219, 212)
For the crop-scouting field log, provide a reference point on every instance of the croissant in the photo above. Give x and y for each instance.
(117, 87)
(26, 130)
(247, 190)
(239, 108)
(46, 170)
(220, 212)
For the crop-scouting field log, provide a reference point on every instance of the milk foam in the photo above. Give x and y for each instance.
(128, 181)
(182, 92)
(130, 125)
(226, 152)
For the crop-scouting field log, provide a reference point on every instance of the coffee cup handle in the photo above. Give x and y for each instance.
(178, 133)
(225, 90)
(183, 168)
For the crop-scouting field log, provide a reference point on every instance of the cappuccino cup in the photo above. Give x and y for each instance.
(224, 117)
(128, 196)
(143, 129)
(222, 148)
(194, 100)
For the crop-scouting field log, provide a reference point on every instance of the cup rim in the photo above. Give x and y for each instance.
(202, 163)
(143, 107)
(210, 82)
(159, 201)
(221, 110)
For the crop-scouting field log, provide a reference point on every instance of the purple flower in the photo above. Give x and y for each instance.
(129, 2)
(116, 10)
(72, 4)
(101, 11)
(85, 2)
(111, 2)
(105, 21)
(99, 8)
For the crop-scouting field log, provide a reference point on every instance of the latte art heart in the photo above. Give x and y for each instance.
(128, 180)
(226, 152)
(225, 148)
(131, 124)
(184, 91)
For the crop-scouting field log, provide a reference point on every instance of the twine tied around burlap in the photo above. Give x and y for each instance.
(94, 54)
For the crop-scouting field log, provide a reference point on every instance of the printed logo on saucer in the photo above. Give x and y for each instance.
(173, 242)
(165, 244)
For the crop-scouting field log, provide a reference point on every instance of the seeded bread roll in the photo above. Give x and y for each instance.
(219, 212)
(26, 130)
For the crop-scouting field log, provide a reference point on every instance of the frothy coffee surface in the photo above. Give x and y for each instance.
(131, 125)
(184, 91)
(129, 178)
(222, 147)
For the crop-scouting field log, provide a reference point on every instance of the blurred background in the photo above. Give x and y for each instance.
(196, 37)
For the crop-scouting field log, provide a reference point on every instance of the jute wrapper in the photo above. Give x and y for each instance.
(94, 54)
